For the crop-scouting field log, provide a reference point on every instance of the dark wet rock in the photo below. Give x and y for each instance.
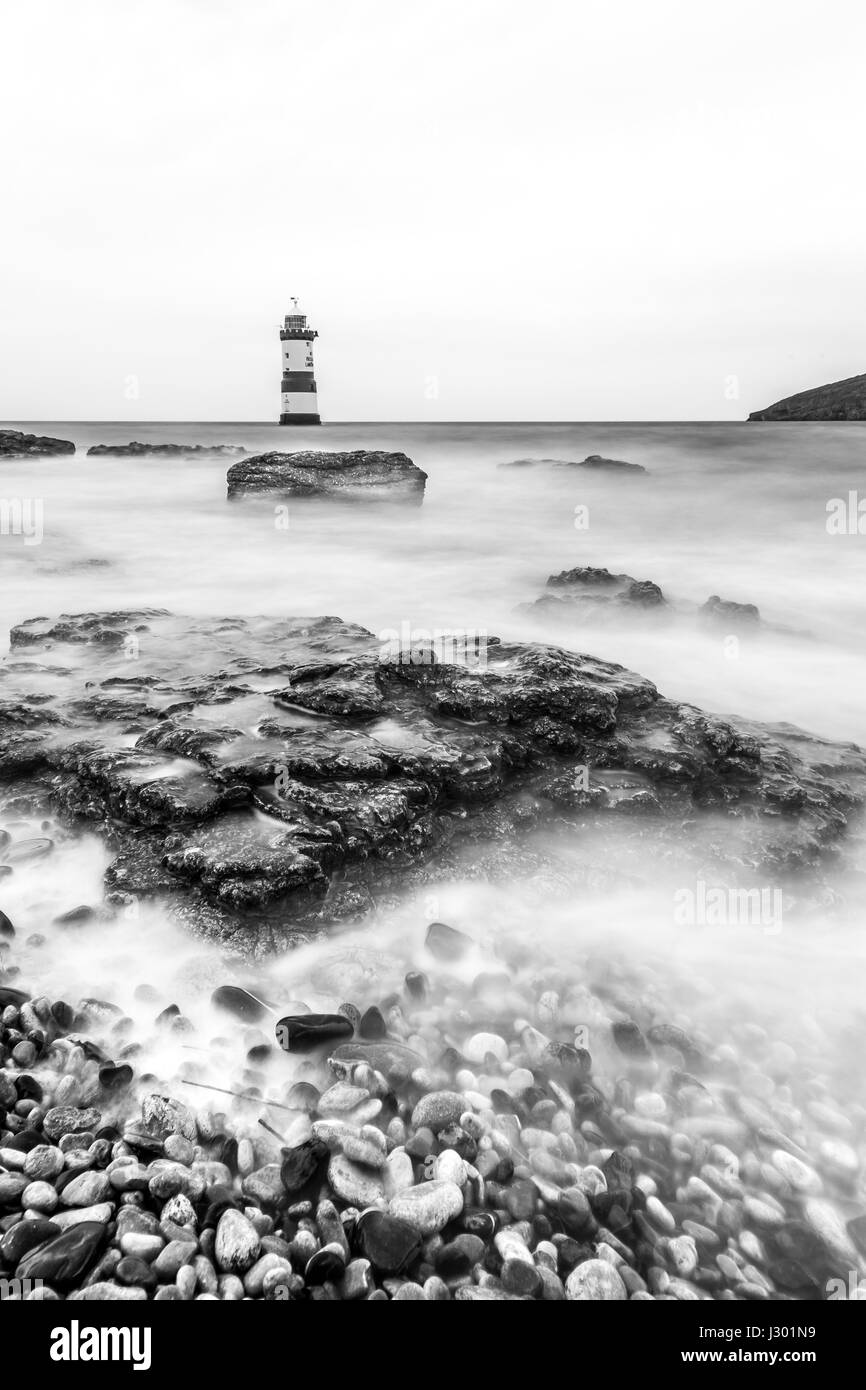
(587, 592)
(838, 400)
(10, 995)
(447, 943)
(114, 1076)
(417, 984)
(16, 444)
(301, 1164)
(306, 1032)
(25, 1236)
(726, 613)
(239, 1002)
(63, 1260)
(76, 916)
(669, 1035)
(315, 816)
(7, 931)
(629, 1038)
(327, 1263)
(362, 472)
(372, 1025)
(389, 1243)
(138, 450)
(591, 461)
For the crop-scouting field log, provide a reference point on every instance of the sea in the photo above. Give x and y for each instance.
(761, 513)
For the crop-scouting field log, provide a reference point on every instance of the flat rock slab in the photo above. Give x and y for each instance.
(361, 473)
(278, 774)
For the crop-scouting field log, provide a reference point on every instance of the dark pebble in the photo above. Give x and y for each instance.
(302, 1163)
(234, 1000)
(24, 1236)
(387, 1242)
(629, 1039)
(63, 1260)
(446, 943)
(306, 1032)
(76, 916)
(417, 984)
(372, 1025)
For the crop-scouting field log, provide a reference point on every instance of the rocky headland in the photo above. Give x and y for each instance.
(839, 400)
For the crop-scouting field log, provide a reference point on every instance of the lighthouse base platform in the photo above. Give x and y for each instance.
(300, 419)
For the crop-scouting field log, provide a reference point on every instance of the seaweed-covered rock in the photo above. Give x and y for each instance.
(281, 773)
(16, 444)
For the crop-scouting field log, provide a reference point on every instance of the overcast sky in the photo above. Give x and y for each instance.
(489, 209)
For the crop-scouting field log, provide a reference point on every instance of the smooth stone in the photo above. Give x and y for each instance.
(171, 1258)
(447, 943)
(798, 1174)
(399, 1172)
(389, 1243)
(265, 1185)
(86, 1190)
(595, 1281)
(64, 1259)
(328, 1263)
(359, 1187)
(74, 1216)
(438, 1111)
(44, 1161)
(25, 1235)
(302, 1033)
(140, 1245)
(428, 1207)
(237, 1245)
(394, 1060)
(254, 1278)
(39, 1196)
(477, 1048)
(109, 1293)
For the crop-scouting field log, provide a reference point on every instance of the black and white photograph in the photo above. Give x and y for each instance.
(432, 674)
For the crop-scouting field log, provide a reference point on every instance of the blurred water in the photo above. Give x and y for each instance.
(736, 510)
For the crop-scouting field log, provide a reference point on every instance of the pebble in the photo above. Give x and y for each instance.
(595, 1281)
(428, 1207)
(357, 1186)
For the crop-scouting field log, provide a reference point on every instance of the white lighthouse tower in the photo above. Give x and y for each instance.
(298, 401)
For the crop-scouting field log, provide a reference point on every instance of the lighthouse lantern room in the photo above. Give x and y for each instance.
(298, 401)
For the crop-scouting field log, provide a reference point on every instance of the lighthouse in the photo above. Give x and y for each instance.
(298, 402)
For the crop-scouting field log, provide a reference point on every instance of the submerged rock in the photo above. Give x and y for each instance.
(363, 472)
(138, 450)
(591, 461)
(727, 613)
